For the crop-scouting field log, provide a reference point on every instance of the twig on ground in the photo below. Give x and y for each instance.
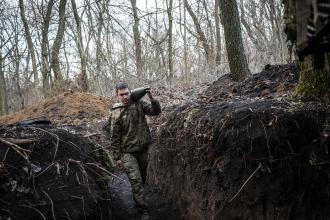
(67, 168)
(101, 168)
(267, 141)
(21, 151)
(5, 156)
(246, 181)
(51, 202)
(20, 141)
(90, 135)
(56, 149)
(30, 207)
(45, 169)
(77, 178)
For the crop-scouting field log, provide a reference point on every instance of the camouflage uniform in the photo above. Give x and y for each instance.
(307, 28)
(130, 138)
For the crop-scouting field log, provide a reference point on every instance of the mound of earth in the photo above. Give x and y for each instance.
(67, 108)
(239, 153)
(273, 81)
(49, 173)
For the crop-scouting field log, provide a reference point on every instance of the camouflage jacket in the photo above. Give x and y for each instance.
(129, 130)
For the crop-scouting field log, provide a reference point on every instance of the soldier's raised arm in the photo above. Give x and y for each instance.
(153, 108)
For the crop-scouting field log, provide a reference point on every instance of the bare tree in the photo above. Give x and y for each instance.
(233, 38)
(97, 40)
(29, 41)
(5, 36)
(217, 30)
(55, 62)
(83, 63)
(210, 31)
(137, 39)
(3, 90)
(17, 84)
(100, 25)
(45, 48)
(199, 30)
(169, 4)
(183, 31)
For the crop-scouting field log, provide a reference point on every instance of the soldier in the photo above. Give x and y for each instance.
(130, 138)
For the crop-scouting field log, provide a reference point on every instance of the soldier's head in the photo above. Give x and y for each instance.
(123, 93)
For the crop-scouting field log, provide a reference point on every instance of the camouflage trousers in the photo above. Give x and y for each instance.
(136, 169)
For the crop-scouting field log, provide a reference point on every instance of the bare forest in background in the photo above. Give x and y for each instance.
(47, 47)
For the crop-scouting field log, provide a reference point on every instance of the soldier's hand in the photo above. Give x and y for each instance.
(149, 94)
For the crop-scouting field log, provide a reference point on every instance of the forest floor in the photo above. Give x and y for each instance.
(51, 152)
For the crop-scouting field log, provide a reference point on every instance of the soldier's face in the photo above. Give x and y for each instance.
(123, 96)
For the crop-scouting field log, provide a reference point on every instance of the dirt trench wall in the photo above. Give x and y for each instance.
(253, 159)
(53, 175)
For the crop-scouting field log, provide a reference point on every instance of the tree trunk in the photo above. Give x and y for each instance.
(55, 63)
(170, 39)
(100, 24)
(17, 78)
(83, 64)
(199, 30)
(137, 40)
(210, 27)
(233, 38)
(185, 45)
(3, 91)
(45, 49)
(29, 41)
(217, 29)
